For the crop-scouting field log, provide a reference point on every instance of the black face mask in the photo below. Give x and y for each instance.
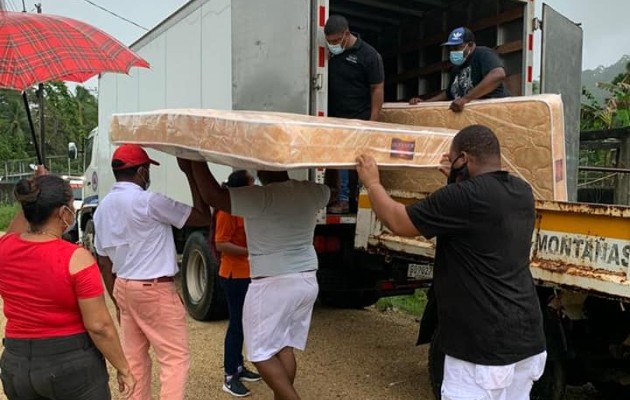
(458, 172)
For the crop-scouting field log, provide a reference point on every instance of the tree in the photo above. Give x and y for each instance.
(69, 117)
(615, 113)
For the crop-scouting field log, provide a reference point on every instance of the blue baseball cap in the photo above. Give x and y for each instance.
(459, 36)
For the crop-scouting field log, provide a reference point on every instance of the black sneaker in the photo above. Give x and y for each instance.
(248, 376)
(235, 388)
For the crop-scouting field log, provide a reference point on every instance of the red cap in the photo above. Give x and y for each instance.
(131, 155)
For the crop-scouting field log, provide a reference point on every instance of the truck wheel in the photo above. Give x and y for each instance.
(341, 289)
(552, 383)
(88, 237)
(436, 367)
(203, 295)
(348, 298)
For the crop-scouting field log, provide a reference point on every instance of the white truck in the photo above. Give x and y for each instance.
(271, 55)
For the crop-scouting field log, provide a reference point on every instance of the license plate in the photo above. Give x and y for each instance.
(420, 271)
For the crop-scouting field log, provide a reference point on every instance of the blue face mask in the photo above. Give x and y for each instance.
(335, 49)
(457, 57)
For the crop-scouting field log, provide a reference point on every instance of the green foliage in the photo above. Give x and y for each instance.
(412, 304)
(7, 212)
(615, 112)
(69, 117)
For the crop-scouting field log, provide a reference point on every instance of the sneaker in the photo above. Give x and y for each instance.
(235, 388)
(340, 207)
(247, 375)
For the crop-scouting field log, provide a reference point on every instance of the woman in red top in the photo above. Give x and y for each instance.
(58, 326)
(230, 240)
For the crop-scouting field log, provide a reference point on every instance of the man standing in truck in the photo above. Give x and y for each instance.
(490, 321)
(477, 72)
(355, 87)
(138, 260)
(280, 219)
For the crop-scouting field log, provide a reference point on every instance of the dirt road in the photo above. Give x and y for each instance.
(352, 354)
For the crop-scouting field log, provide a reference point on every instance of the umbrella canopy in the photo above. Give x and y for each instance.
(37, 48)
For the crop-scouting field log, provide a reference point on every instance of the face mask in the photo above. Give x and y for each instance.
(461, 172)
(336, 49)
(147, 180)
(69, 225)
(457, 56)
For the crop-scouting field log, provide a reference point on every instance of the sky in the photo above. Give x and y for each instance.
(604, 22)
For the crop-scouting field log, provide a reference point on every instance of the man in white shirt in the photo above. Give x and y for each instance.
(136, 252)
(280, 219)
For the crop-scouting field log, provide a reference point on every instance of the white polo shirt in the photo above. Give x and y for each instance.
(133, 227)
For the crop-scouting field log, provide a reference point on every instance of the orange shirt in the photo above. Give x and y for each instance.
(231, 229)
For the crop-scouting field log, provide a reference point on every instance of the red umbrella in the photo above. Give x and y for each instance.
(36, 48)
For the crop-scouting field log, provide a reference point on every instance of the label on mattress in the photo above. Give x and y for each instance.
(403, 149)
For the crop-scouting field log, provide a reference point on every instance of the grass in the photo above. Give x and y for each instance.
(7, 212)
(412, 304)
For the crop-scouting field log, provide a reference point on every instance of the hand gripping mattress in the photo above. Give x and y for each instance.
(278, 141)
(530, 130)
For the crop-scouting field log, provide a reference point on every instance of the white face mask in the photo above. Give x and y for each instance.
(336, 49)
(69, 225)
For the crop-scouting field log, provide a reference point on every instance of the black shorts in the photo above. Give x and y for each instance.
(68, 368)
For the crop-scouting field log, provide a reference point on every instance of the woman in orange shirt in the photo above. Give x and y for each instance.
(230, 240)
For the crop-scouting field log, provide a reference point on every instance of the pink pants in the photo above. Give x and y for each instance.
(153, 314)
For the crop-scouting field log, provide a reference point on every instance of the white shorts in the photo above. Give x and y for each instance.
(468, 381)
(277, 313)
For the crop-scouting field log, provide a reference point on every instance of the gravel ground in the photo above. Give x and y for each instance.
(351, 354)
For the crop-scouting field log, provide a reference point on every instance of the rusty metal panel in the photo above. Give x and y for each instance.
(577, 246)
(583, 246)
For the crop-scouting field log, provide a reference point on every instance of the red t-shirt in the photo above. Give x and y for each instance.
(39, 293)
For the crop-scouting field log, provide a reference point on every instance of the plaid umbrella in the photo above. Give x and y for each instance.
(36, 48)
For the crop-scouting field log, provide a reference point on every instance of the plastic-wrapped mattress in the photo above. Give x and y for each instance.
(530, 130)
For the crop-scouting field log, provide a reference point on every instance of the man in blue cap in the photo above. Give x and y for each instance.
(477, 72)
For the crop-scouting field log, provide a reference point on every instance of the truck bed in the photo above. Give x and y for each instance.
(584, 247)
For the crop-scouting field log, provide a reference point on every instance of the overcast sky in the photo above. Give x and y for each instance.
(605, 22)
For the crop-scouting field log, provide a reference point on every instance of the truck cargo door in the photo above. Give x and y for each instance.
(561, 72)
(271, 55)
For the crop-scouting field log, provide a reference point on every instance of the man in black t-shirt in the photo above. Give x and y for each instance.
(477, 72)
(355, 86)
(489, 316)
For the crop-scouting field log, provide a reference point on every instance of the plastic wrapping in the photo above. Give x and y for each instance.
(278, 141)
(530, 130)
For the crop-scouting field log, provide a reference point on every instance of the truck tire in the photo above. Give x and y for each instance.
(550, 386)
(348, 299)
(203, 295)
(341, 289)
(552, 383)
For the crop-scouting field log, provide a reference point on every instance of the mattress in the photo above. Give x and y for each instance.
(530, 130)
(279, 141)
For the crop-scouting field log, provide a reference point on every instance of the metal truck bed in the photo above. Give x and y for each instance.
(577, 246)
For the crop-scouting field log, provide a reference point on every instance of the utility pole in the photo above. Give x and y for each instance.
(40, 98)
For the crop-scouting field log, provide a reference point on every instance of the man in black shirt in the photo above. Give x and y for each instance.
(477, 72)
(490, 321)
(355, 85)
